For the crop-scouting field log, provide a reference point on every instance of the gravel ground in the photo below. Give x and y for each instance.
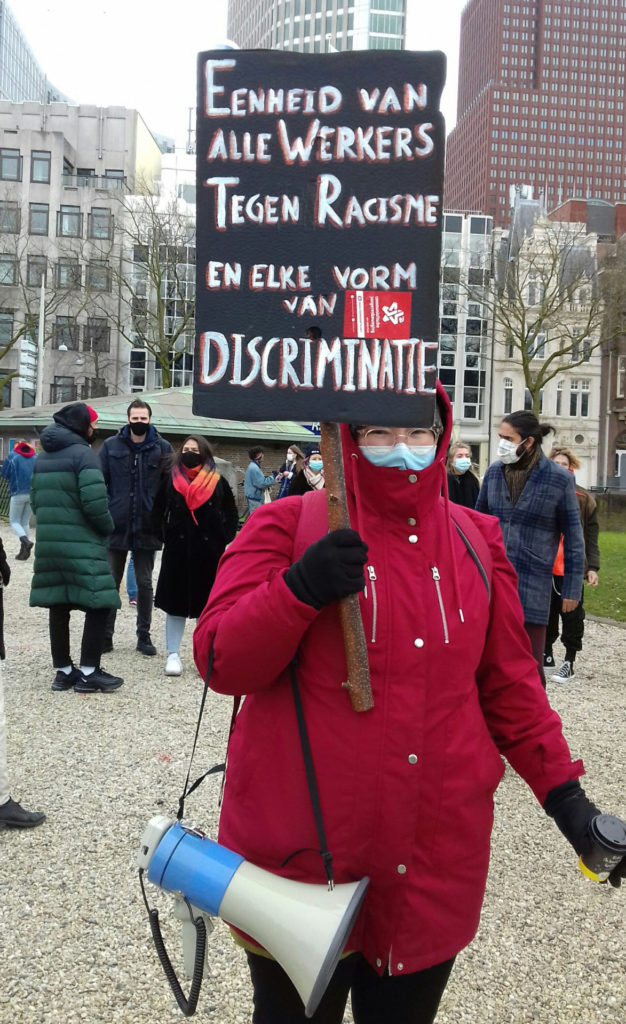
(74, 940)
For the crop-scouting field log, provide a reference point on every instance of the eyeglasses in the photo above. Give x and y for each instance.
(416, 437)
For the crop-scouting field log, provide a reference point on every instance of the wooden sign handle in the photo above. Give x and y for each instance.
(358, 683)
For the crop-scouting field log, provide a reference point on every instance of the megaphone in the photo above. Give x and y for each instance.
(304, 926)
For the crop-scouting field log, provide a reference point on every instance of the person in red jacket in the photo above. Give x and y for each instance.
(406, 789)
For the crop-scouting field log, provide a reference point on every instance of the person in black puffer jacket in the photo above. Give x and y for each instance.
(134, 463)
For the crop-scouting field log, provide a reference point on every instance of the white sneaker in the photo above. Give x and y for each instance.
(173, 665)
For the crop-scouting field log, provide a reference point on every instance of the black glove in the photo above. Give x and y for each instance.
(330, 569)
(5, 569)
(573, 812)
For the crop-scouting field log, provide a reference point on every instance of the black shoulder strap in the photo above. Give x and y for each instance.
(311, 781)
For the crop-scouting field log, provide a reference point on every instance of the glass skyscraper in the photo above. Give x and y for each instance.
(317, 26)
(21, 77)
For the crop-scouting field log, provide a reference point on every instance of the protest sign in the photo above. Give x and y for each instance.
(319, 213)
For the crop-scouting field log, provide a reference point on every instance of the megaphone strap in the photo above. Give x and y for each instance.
(311, 780)
(187, 789)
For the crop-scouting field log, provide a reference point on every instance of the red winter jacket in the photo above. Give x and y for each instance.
(406, 789)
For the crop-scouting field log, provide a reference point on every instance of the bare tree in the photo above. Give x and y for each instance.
(547, 303)
(155, 274)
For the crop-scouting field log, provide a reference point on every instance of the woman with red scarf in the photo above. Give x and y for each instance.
(200, 520)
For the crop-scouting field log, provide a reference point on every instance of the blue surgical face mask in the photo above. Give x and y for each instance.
(316, 465)
(462, 464)
(400, 456)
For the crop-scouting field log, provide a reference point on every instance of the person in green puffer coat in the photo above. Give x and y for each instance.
(71, 570)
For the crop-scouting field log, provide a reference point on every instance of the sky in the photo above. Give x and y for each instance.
(142, 55)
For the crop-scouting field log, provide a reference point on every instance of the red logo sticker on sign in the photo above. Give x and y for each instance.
(377, 315)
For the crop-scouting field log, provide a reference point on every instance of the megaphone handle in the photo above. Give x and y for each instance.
(189, 1003)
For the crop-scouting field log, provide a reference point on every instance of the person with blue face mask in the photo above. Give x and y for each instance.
(311, 476)
(406, 788)
(463, 484)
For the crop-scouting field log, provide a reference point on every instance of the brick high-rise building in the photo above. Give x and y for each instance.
(540, 102)
(317, 26)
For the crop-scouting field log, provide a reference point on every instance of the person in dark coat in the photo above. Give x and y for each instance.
(289, 469)
(535, 502)
(133, 463)
(200, 518)
(71, 570)
(311, 476)
(463, 484)
(572, 623)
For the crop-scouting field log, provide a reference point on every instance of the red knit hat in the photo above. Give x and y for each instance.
(93, 415)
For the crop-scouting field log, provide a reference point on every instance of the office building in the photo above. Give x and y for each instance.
(317, 26)
(540, 100)
(63, 172)
(21, 77)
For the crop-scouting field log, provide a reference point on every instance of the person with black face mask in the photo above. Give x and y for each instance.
(200, 517)
(134, 464)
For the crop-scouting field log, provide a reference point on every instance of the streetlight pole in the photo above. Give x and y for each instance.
(40, 344)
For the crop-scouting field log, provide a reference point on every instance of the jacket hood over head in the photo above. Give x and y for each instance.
(76, 417)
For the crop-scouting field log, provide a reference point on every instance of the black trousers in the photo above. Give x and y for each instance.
(144, 567)
(572, 623)
(401, 999)
(93, 635)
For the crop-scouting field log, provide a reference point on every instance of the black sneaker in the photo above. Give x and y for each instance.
(13, 815)
(107, 646)
(565, 672)
(145, 645)
(98, 681)
(548, 661)
(66, 680)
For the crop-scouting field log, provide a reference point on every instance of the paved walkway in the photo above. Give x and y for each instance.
(74, 940)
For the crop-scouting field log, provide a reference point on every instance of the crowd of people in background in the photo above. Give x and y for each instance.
(136, 495)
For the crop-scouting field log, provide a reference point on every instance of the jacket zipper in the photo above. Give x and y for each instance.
(437, 577)
(371, 572)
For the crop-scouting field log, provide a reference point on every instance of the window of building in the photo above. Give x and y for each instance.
(9, 217)
(38, 215)
(40, 160)
(97, 335)
(6, 326)
(537, 348)
(70, 222)
(35, 271)
(10, 165)
(65, 333)
(113, 178)
(28, 398)
(99, 276)
(137, 370)
(8, 269)
(69, 273)
(620, 382)
(507, 401)
(100, 223)
(579, 397)
(559, 398)
(528, 401)
(62, 390)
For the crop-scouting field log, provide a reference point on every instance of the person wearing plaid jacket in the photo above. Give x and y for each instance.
(535, 503)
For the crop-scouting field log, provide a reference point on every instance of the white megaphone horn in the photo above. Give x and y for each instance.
(304, 927)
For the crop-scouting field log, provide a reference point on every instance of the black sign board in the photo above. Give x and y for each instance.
(319, 214)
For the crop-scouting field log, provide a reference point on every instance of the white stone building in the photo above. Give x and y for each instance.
(63, 170)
